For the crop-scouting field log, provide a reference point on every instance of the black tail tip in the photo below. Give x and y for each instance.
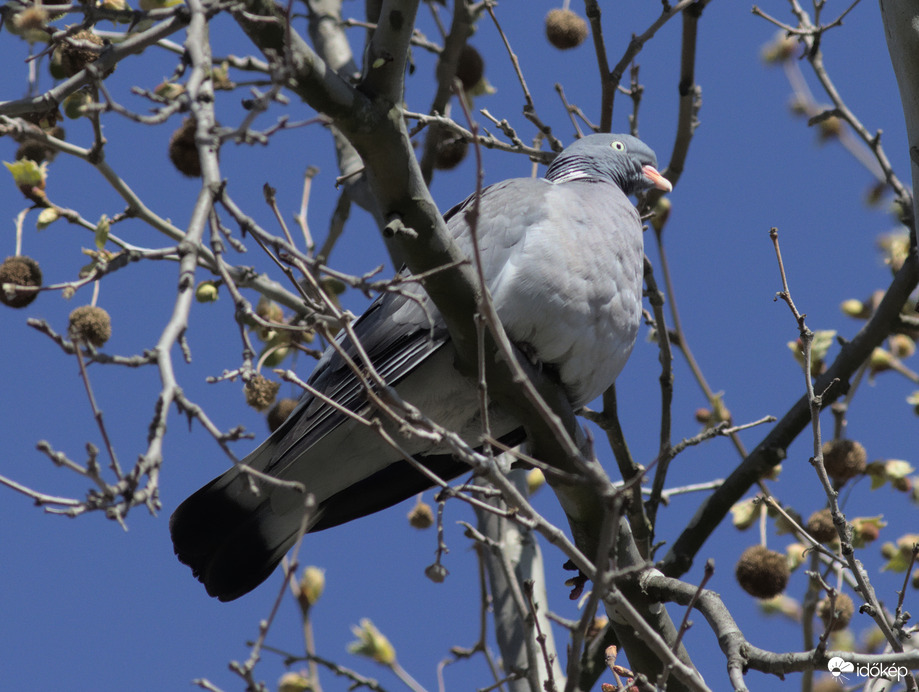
(219, 535)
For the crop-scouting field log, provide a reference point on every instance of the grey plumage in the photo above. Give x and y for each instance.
(562, 257)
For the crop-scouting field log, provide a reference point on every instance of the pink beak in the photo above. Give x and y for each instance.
(656, 179)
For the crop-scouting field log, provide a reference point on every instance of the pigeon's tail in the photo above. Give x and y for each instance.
(231, 537)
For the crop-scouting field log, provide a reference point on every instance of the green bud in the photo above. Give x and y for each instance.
(796, 554)
(535, 480)
(913, 400)
(866, 529)
(277, 348)
(661, 213)
(147, 5)
(75, 104)
(744, 514)
(372, 643)
(782, 48)
(880, 360)
(102, 231)
(855, 308)
(294, 682)
(311, 586)
(47, 217)
(207, 292)
(902, 346)
(169, 90)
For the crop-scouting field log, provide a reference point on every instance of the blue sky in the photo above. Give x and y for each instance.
(86, 604)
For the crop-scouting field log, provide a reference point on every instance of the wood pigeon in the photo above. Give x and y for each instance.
(563, 260)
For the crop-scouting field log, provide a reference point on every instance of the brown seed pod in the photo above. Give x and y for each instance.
(183, 152)
(470, 68)
(820, 526)
(279, 413)
(845, 609)
(421, 515)
(844, 459)
(761, 572)
(73, 54)
(91, 325)
(451, 150)
(565, 29)
(22, 271)
(260, 392)
(31, 19)
(37, 151)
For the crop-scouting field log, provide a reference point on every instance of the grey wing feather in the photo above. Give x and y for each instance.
(398, 332)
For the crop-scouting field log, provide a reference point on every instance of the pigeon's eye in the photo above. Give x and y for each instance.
(618, 146)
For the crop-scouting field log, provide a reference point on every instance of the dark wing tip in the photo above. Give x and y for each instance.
(218, 534)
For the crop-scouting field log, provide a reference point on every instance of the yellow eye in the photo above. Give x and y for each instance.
(617, 145)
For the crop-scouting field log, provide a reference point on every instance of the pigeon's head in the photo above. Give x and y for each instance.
(622, 159)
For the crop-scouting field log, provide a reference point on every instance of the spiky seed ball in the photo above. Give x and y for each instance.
(279, 413)
(761, 572)
(21, 270)
(421, 515)
(182, 149)
(844, 459)
(30, 19)
(30, 23)
(565, 29)
(845, 609)
(33, 149)
(73, 57)
(91, 325)
(820, 526)
(260, 392)
(451, 150)
(470, 68)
